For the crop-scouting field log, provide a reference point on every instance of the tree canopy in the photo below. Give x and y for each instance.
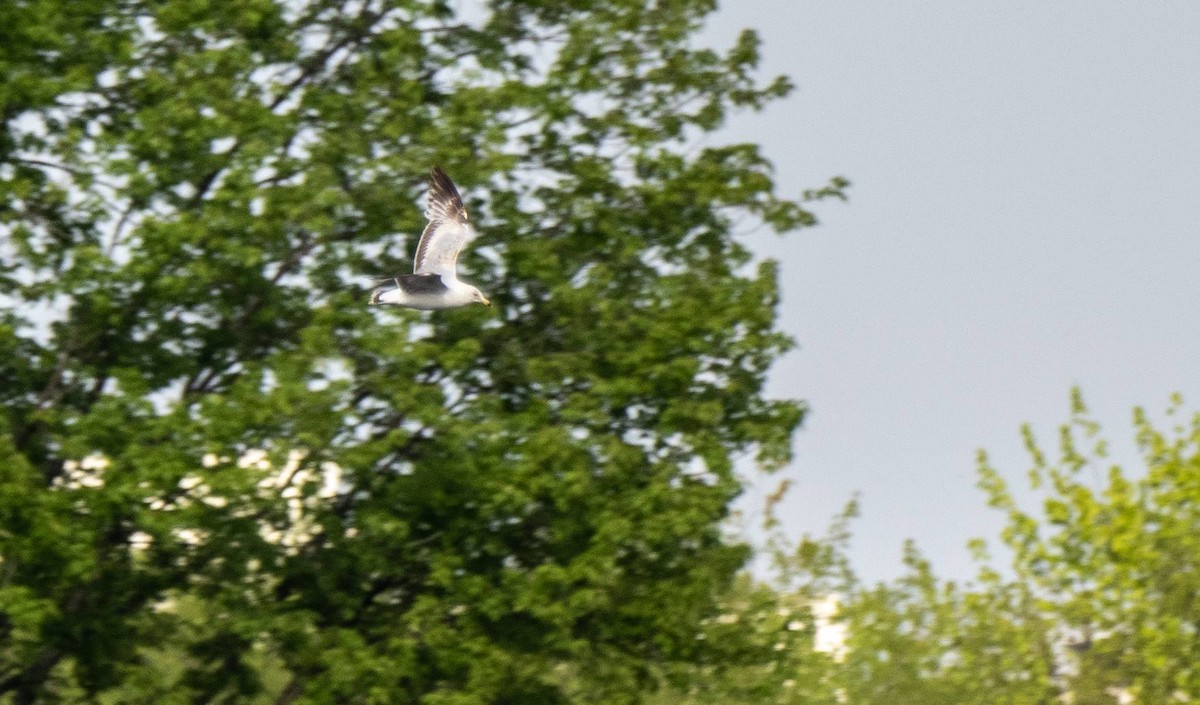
(226, 479)
(1094, 604)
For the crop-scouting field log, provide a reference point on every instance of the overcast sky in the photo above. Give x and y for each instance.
(1024, 217)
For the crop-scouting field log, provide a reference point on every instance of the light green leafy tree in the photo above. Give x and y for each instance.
(226, 479)
(1096, 607)
(1113, 558)
(1097, 604)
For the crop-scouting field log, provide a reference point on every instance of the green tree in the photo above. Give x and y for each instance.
(225, 479)
(917, 639)
(1113, 557)
(1097, 605)
(762, 644)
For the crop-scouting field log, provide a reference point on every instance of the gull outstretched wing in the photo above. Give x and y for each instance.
(447, 231)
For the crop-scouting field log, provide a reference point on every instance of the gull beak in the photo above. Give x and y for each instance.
(487, 303)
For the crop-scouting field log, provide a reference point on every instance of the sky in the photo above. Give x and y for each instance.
(1024, 217)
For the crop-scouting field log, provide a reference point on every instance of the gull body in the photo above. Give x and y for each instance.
(428, 292)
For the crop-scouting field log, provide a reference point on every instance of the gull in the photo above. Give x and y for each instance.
(434, 284)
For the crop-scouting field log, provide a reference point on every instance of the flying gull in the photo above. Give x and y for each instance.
(434, 283)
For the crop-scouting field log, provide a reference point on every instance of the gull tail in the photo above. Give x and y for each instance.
(380, 291)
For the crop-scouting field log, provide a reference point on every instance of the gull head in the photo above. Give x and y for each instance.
(478, 297)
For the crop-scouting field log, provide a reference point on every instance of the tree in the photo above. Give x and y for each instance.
(1113, 559)
(1097, 607)
(918, 639)
(225, 479)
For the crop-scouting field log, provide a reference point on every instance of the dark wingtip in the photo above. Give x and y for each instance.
(438, 177)
(441, 183)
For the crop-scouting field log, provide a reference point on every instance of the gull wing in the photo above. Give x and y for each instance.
(447, 231)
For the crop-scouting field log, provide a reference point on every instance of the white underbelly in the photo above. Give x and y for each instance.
(424, 302)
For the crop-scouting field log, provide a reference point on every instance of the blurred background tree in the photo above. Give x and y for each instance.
(1097, 604)
(225, 479)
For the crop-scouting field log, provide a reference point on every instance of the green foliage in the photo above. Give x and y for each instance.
(1113, 558)
(225, 479)
(1098, 606)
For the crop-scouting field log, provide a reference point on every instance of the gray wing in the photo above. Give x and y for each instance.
(421, 284)
(447, 231)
